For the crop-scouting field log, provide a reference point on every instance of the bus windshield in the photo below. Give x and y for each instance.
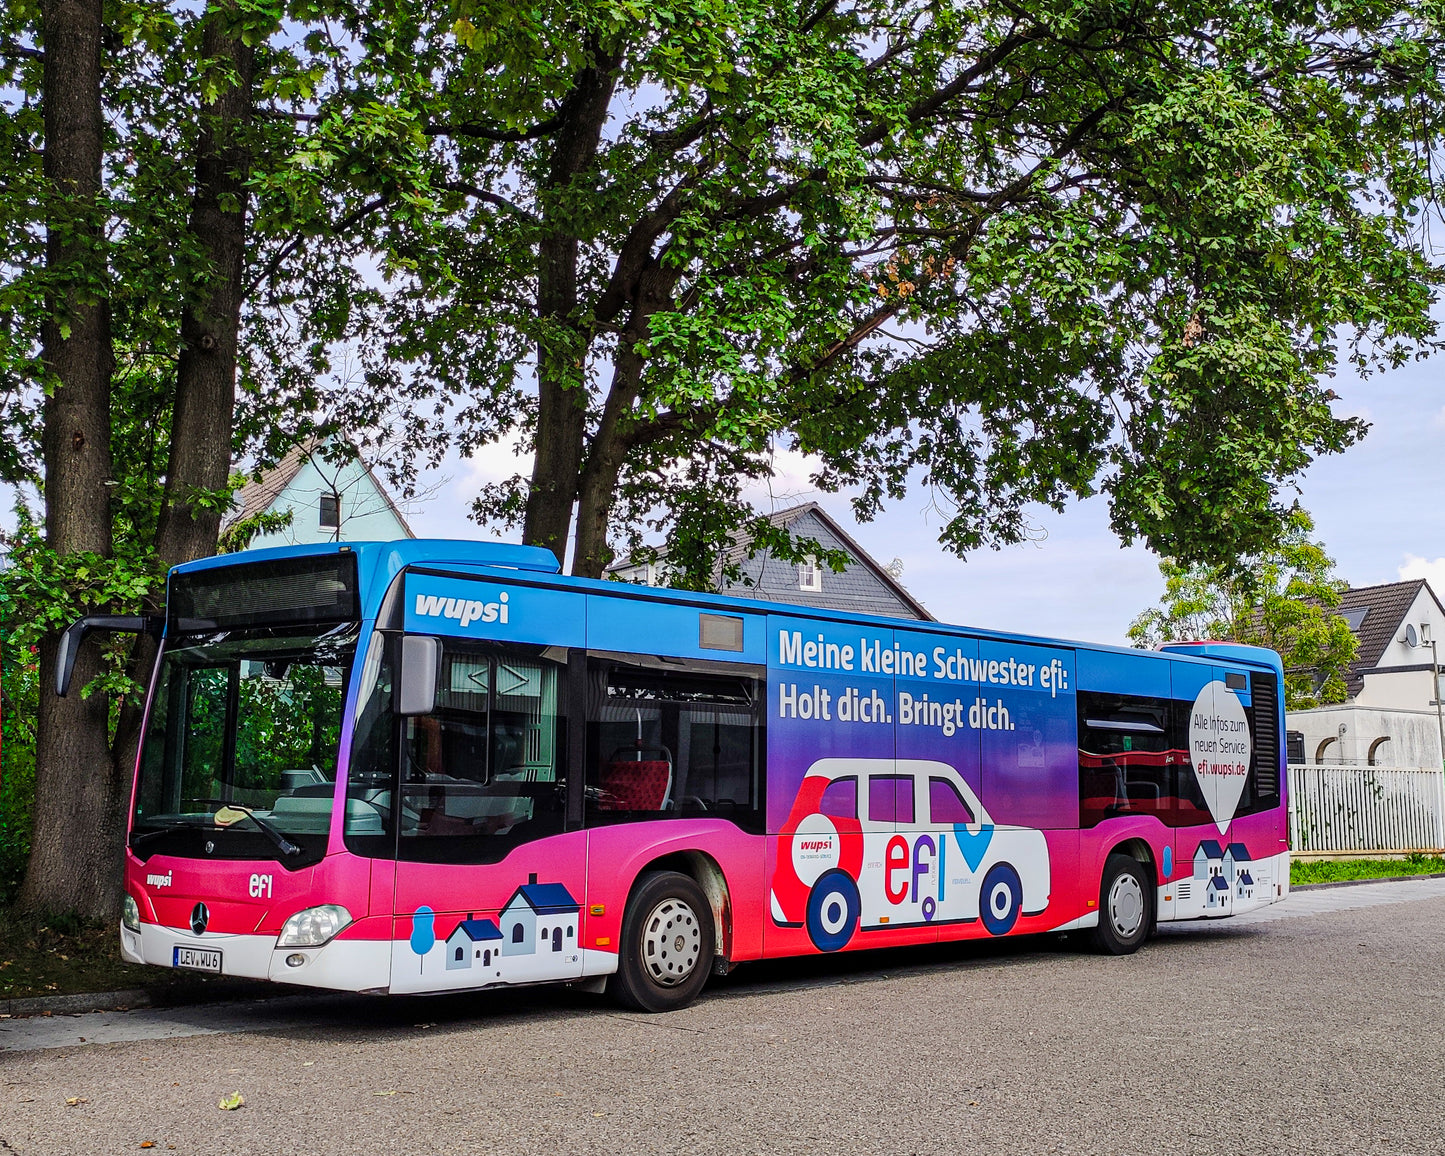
(240, 751)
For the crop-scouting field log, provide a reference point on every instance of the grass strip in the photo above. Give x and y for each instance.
(1341, 870)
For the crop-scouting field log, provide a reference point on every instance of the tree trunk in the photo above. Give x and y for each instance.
(598, 484)
(200, 457)
(561, 386)
(201, 426)
(75, 857)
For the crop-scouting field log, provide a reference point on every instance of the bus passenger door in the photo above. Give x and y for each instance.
(489, 880)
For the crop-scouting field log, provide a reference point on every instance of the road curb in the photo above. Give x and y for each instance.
(131, 999)
(76, 1004)
(1362, 882)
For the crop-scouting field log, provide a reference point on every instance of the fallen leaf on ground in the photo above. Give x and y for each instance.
(232, 1102)
(74, 1100)
(147, 1143)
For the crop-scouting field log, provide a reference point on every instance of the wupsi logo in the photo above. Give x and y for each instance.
(159, 880)
(816, 848)
(464, 610)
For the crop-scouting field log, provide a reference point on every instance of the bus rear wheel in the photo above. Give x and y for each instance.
(667, 944)
(1126, 907)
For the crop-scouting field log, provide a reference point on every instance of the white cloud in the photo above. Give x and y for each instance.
(1415, 567)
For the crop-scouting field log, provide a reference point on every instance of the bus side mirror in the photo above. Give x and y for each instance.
(75, 634)
(416, 686)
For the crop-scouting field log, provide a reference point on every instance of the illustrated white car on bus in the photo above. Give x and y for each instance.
(884, 844)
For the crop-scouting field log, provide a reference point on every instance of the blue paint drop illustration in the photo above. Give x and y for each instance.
(1168, 861)
(423, 933)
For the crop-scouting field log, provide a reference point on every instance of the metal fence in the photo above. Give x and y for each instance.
(1364, 808)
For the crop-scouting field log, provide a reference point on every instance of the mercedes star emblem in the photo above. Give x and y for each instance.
(199, 918)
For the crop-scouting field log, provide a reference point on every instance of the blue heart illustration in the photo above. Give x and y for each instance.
(973, 844)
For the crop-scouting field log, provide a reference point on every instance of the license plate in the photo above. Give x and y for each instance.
(197, 959)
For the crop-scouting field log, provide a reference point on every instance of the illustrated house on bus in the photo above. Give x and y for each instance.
(1218, 890)
(1236, 857)
(1245, 885)
(1209, 860)
(539, 917)
(473, 939)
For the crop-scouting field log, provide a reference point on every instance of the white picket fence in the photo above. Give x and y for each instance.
(1362, 808)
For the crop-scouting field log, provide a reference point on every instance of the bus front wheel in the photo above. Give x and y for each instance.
(1125, 906)
(667, 944)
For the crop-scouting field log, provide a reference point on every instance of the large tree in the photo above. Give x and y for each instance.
(1012, 254)
(1284, 598)
(141, 208)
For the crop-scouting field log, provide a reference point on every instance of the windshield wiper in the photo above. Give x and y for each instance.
(283, 844)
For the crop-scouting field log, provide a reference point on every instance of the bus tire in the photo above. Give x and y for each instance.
(1000, 899)
(1126, 907)
(833, 910)
(667, 944)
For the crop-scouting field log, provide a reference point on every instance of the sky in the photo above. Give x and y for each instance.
(1378, 508)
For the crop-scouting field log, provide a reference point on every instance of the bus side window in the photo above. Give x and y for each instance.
(484, 772)
(672, 743)
(1128, 757)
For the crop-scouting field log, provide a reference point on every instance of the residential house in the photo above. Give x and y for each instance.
(327, 501)
(1391, 717)
(864, 586)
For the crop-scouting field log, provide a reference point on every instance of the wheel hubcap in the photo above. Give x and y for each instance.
(1126, 906)
(671, 942)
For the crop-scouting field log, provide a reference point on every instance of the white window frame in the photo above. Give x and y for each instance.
(320, 515)
(810, 575)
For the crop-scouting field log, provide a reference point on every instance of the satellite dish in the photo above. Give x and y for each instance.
(1412, 637)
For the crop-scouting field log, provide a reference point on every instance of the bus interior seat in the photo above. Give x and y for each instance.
(636, 784)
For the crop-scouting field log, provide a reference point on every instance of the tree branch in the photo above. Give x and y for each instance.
(11, 48)
(297, 241)
(486, 132)
(494, 199)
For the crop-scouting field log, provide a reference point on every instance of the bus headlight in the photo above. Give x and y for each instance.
(130, 913)
(314, 926)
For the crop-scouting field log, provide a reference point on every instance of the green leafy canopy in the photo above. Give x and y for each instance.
(1011, 255)
(1284, 598)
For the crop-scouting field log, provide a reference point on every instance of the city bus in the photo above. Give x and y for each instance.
(432, 766)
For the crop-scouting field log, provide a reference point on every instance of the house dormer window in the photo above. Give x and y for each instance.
(810, 576)
(331, 511)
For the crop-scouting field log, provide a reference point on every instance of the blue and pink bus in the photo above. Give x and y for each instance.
(430, 766)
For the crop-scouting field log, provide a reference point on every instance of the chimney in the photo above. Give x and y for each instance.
(531, 879)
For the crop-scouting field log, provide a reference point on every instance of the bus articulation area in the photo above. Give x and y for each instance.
(428, 766)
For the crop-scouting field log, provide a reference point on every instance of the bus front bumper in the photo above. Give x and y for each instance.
(351, 964)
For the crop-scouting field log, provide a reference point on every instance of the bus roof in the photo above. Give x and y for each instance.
(378, 563)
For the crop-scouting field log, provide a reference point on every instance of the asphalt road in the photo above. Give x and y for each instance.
(1317, 1026)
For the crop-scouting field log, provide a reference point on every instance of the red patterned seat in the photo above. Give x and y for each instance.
(635, 784)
